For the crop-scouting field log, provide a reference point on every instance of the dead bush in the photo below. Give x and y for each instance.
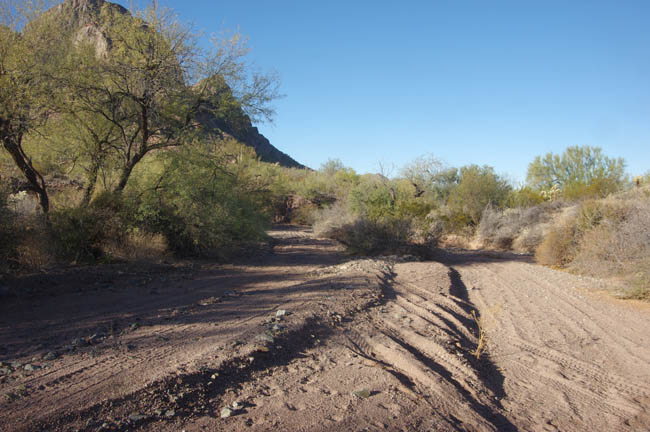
(502, 229)
(558, 246)
(530, 238)
(329, 219)
(619, 244)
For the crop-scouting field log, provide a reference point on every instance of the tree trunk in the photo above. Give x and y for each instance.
(92, 181)
(12, 143)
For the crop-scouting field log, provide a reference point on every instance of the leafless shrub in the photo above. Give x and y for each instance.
(504, 229)
(331, 218)
(619, 245)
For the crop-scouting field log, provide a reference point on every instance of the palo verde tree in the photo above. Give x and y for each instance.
(578, 168)
(147, 89)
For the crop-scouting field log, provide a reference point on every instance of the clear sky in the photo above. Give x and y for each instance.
(486, 82)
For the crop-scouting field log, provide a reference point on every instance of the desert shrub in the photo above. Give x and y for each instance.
(477, 188)
(524, 197)
(80, 234)
(604, 238)
(137, 245)
(618, 244)
(207, 202)
(503, 228)
(330, 219)
(373, 237)
(530, 238)
(24, 238)
(558, 247)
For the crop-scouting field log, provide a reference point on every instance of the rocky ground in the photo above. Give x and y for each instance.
(305, 338)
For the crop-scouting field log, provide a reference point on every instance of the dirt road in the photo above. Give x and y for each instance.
(306, 339)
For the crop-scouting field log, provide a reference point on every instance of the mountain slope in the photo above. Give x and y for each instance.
(90, 21)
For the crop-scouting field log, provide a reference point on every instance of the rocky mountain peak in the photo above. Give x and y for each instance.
(85, 5)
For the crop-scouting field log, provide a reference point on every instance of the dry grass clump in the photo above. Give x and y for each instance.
(519, 229)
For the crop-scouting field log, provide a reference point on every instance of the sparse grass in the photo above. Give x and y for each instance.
(484, 325)
(481, 335)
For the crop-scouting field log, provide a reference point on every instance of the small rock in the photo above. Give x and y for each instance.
(281, 313)
(226, 412)
(236, 405)
(5, 371)
(264, 337)
(170, 413)
(363, 393)
(251, 360)
(134, 326)
(136, 417)
(214, 376)
(277, 327)
(52, 355)
(30, 367)
(95, 338)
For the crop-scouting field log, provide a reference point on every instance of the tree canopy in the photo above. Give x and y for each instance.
(577, 167)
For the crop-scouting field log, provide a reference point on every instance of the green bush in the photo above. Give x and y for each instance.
(79, 234)
(477, 188)
(524, 197)
(206, 203)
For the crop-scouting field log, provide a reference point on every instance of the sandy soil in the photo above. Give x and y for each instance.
(365, 344)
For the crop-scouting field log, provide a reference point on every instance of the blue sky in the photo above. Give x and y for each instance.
(485, 82)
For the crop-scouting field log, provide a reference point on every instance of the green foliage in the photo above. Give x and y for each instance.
(579, 172)
(79, 234)
(477, 187)
(525, 196)
(208, 202)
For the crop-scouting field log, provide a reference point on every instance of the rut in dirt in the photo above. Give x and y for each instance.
(558, 358)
